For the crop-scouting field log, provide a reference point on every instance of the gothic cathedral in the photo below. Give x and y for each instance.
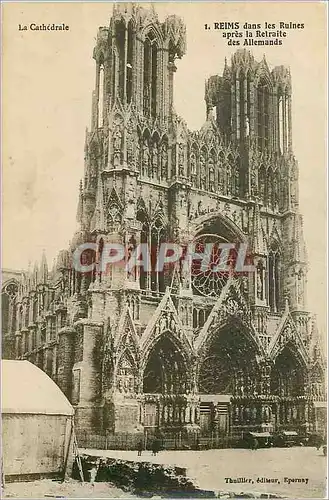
(179, 350)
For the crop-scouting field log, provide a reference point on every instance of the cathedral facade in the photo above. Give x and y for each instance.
(179, 349)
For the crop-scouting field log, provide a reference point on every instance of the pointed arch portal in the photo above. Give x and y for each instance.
(288, 378)
(288, 374)
(166, 370)
(228, 370)
(165, 383)
(228, 365)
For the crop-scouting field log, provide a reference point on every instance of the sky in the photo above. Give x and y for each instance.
(48, 79)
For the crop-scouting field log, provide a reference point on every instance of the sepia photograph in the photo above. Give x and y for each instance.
(164, 250)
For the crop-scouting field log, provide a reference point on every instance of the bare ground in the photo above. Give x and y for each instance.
(46, 488)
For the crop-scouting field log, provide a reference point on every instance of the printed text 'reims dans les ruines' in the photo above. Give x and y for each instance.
(266, 33)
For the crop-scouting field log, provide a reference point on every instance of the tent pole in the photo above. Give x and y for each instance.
(69, 450)
(3, 482)
(77, 454)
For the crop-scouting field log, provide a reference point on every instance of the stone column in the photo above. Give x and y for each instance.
(233, 112)
(237, 100)
(88, 410)
(18, 344)
(245, 104)
(66, 339)
(289, 124)
(284, 100)
(171, 70)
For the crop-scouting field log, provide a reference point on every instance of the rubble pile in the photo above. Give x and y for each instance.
(141, 478)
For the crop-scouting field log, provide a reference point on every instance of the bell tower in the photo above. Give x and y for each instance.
(135, 62)
(252, 102)
(129, 152)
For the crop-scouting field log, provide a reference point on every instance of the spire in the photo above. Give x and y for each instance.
(43, 268)
(175, 280)
(99, 218)
(80, 205)
(28, 280)
(35, 275)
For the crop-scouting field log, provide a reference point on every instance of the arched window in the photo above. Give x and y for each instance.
(120, 31)
(280, 120)
(101, 95)
(230, 175)
(262, 184)
(221, 172)
(5, 312)
(203, 169)
(26, 313)
(164, 159)
(143, 276)
(150, 76)
(154, 160)
(283, 121)
(114, 73)
(130, 41)
(152, 234)
(274, 278)
(157, 238)
(34, 309)
(263, 113)
(145, 155)
(211, 171)
(144, 239)
(247, 118)
(193, 165)
(241, 105)
(236, 181)
(195, 318)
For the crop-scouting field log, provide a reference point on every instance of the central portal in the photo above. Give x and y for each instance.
(165, 383)
(227, 369)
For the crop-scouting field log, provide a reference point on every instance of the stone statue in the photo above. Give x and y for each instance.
(137, 155)
(228, 179)
(154, 166)
(203, 175)
(237, 181)
(253, 181)
(193, 164)
(211, 175)
(117, 141)
(260, 288)
(300, 289)
(247, 126)
(181, 160)
(164, 161)
(146, 158)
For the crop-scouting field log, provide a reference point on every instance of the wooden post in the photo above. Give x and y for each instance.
(145, 440)
(69, 451)
(3, 482)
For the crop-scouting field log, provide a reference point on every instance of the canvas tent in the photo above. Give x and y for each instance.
(37, 423)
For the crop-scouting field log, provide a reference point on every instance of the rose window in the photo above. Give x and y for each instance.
(210, 274)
